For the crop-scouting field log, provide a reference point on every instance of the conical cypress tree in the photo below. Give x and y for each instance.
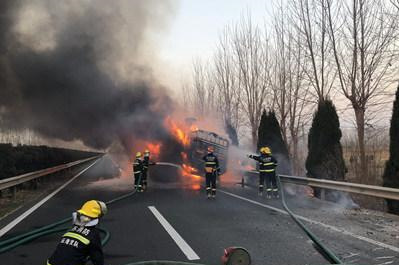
(391, 174)
(269, 134)
(325, 159)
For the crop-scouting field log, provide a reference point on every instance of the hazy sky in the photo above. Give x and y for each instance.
(194, 31)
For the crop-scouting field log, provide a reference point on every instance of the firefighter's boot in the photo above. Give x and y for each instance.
(269, 193)
(276, 193)
(260, 193)
(213, 193)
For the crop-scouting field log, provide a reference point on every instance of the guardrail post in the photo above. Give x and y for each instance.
(323, 194)
(34, 184)
(14, 192)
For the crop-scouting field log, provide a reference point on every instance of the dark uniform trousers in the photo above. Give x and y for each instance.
(211, 172)
(267, 172)
(138, 173)
(146, 164)
(210, 179)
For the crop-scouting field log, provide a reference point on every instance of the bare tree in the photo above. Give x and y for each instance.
(310, 19)
(288, 79)
(363, 34)
(199, 88)
(252, 59)
(226, 81)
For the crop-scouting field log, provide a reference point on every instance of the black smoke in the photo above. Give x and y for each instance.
(69, 71)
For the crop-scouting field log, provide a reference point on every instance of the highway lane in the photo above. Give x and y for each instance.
(207, 226)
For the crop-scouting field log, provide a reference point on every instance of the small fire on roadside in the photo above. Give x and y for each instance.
(194, 128)
(245, 166)
(309, 192)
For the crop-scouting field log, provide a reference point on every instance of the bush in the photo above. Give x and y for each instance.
(17, 160)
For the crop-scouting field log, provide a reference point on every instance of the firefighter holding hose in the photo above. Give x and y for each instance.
(267, 171)
(82, 241)
(146, 164)
(138, 172)
(212, 170)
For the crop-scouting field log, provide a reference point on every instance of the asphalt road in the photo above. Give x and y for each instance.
(206, 226)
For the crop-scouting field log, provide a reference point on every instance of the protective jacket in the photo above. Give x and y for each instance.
(211, 163)
(147, 163)
(267, 163)
(138, 167)
(77, 245)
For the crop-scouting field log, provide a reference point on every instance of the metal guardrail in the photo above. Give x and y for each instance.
(14, 181)
(370, 190)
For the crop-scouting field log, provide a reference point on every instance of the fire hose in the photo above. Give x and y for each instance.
(52, 228)
(331, 256)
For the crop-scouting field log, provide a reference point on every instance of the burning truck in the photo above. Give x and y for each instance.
(200, 141)
(194, 143)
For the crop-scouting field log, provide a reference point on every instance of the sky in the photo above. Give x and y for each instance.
(194, 32)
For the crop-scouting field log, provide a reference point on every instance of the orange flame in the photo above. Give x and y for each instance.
(194, 128)
(189, 171)
(184, 156)
(154, 148)
(196, 187)
(180, 133)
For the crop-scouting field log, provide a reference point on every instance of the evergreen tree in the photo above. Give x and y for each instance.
(325, 159)
(391, 174)
(269, 134)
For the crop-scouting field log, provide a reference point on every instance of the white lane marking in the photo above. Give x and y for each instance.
(333, 228)
(11, 225)
(187, 250)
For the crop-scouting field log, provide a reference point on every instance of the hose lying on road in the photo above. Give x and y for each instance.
(326, 251)
(18, 240)
(52, 228)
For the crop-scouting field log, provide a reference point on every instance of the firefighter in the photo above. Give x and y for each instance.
(138, 172)
(82, 241)
(146, 164)
(211, 171)
(267, 171)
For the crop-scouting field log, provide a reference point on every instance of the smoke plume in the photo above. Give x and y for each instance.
(81, 70)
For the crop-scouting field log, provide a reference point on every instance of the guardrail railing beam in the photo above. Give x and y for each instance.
(369, 190)
(17, 180)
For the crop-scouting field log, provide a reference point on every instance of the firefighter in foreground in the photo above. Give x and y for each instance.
(146, 164)
(212, 170)
(82, 241)
(267, 171)
(138, 168)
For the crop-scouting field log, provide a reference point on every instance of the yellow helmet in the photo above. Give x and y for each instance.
(138, 154)
(93, 209)
(265, 150)
(147, 151)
